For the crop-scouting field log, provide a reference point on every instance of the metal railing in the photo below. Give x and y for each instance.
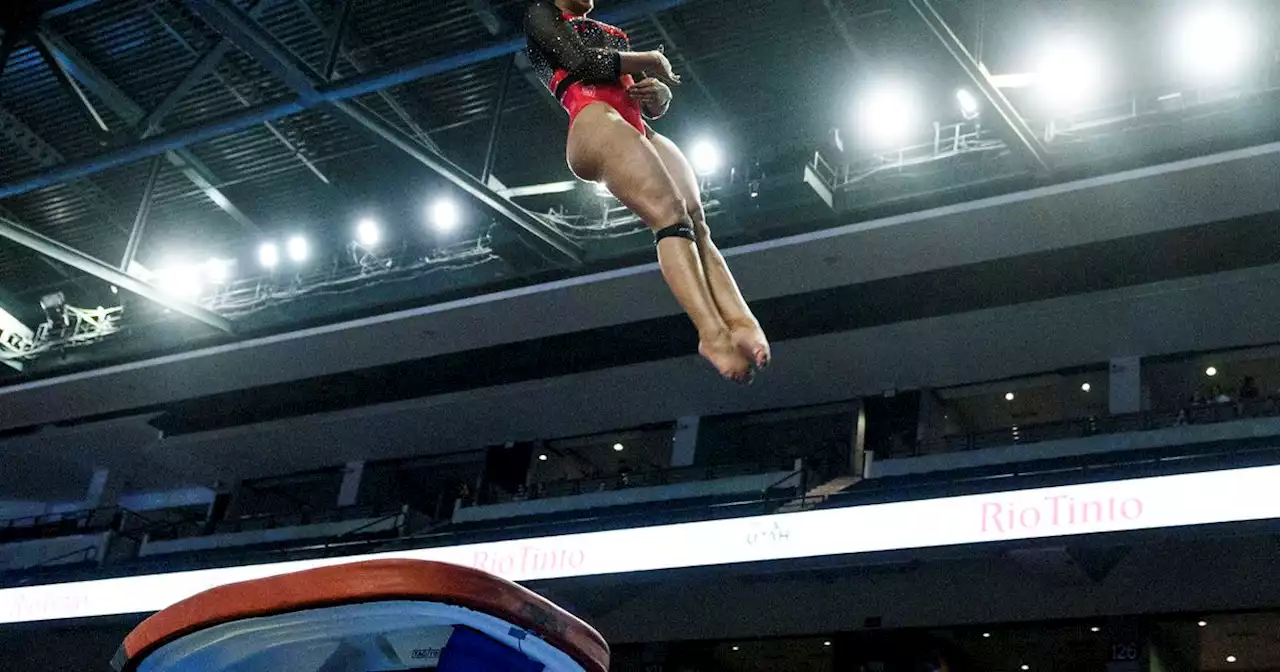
(1098, 425)
(638, 479)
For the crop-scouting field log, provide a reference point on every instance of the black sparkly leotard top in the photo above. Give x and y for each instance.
(566, 49)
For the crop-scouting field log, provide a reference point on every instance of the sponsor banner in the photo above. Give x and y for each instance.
(1089, 508)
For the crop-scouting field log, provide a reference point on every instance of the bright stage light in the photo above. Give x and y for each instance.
(1070, 74)
(368, 233)
(888, 115)
(298, 249)
(218, 271)
(705, 157)
(445, 215)
(1213, 44)
(968, 104)
(183, 280)
(268, 255)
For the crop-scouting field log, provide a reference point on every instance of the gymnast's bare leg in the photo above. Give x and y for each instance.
(604, 147)
(743, 326)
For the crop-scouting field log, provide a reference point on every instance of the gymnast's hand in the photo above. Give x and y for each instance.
(654, 95)
(660, 68)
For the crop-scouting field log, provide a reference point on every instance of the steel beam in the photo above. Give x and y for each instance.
(1023, 139)
(132, 114)
(232, 23)
(62, 8)
(7, 42)
(208, 65)
(566, 249)
(339, 34)
(351, 51)
(86, 108)
(74, 258)
(686, 64)
(495, 131)
(47, 155)
(483, 9)
(144, 211)
(842, 28)
(371, 82)
(278, 59)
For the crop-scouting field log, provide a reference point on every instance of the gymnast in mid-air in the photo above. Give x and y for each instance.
(609, 91)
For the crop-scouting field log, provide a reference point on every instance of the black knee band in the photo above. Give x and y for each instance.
(679, 230)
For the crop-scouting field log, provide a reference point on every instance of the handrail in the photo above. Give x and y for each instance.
(403, 512)
(90, 553)
(633, 479)
(1211, 413)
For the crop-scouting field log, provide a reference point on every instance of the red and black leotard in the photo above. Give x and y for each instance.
(578, 60)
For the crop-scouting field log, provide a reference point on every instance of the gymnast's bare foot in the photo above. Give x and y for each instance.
(719, 349)
(749, 339)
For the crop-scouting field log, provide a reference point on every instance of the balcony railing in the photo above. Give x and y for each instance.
(638, 479)
(1099, 425)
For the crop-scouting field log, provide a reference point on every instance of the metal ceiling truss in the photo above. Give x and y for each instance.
(208, 65)
(339, 36)
(277, 59)
(7, 41)
(76, 259)
(1022, 138)
(144, 211)
(132, 114)
(483, 9)
(686, 65)
(352, 49)
(841, 25)
(45, 154)
(93, 118)
(371, 82)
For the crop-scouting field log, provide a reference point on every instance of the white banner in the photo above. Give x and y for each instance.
(1166, 501)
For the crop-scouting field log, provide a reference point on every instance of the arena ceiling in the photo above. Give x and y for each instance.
(227, 105)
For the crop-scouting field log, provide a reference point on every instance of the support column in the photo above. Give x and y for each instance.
(93, 498)
(1126, 385)
(931, 424)
(859, 459)
(350, 492)
(684, 445)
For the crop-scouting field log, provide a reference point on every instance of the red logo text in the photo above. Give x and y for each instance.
(1056, 512)
(528, 559)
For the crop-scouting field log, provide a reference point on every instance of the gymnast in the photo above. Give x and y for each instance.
(609, 91)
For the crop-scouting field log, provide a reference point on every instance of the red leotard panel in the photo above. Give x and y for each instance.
(579, 96)
(548, 47)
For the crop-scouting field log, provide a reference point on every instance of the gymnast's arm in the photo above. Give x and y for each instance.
(545, 27)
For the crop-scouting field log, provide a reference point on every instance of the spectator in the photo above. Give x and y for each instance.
(624, 474)
(1217, 396)
(1249, 389)
(464, 495)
